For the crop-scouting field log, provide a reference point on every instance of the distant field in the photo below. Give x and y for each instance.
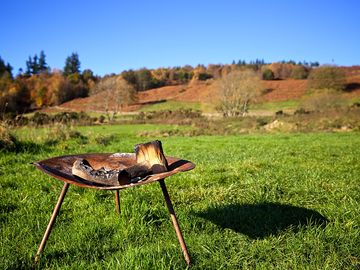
(171, 105)
(276, 106)
(282, 201)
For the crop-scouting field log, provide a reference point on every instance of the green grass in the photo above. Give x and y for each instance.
(281, 201)
(276, 106)
(171, 105)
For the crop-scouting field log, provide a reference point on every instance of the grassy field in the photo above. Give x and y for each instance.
(171, 105)
(276, 106)
(281, 201)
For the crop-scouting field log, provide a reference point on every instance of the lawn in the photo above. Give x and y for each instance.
(280, 201)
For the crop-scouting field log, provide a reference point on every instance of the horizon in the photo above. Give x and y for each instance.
(112, 37)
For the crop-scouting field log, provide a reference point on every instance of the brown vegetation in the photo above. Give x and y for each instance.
(236, 90)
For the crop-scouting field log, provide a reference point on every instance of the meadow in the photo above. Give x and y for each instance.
(254, 201)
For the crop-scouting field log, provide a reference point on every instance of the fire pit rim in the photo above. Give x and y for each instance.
(63, 173)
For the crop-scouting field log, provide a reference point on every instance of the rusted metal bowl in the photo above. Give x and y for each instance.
(60, 168)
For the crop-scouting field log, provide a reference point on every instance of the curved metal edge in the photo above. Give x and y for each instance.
(88, 184)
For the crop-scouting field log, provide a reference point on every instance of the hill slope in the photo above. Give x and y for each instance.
(204, 92)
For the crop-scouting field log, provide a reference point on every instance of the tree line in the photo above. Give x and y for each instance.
(40, 86)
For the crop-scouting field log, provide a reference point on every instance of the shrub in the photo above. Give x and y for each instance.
(299, 73)
(268, 75)
(7, 140)
(168, 114)
(322, 101)
(327, 78)
(102, 119)
(104, 139)
(40, 119)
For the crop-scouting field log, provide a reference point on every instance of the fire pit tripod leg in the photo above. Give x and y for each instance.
(174, 221)
(52, 221)
(117, 201)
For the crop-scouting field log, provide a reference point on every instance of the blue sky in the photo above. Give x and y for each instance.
(111, 36)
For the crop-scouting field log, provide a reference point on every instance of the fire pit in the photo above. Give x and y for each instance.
(61, 169)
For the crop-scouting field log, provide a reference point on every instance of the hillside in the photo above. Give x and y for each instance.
(204, 92)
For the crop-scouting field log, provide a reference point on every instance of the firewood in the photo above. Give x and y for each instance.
(151, 154)
(150, 159)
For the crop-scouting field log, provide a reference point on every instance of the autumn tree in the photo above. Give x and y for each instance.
(236, 90)
(214, 71)
(201, 74)
(144, 79)
(129, 76)
(327, 77)
(87, 75)
(14, 95)
(116, 93)
(299, 72)
(281, 70)
(72, 64)
(161, 74)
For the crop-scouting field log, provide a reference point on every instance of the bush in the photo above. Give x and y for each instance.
(40, 119)
(204, 76)
(268, 75)
(7, 140)
(299, 73)
(322, 101)
(105, 139)
(168, 114)
(327, 78)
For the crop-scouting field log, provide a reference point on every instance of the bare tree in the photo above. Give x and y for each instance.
(236, 90)
(117, 93)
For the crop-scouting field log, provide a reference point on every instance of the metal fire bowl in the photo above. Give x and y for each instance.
(60, 168)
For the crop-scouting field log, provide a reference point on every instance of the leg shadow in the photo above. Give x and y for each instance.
(261, 220)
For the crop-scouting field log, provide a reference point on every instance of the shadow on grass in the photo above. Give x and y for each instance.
(264, 219)
(23, 147)
(5, 210)
(352, 87)
(95, 244)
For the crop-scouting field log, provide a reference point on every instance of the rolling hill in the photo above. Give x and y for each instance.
(201, 92)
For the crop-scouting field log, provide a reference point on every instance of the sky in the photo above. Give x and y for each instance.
(112, 36)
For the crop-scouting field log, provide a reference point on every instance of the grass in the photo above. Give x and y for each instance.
(276, 106)
(171, 105)
(279, 201)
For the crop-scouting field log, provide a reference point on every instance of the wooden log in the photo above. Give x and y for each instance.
(151, 154)
(150, 159)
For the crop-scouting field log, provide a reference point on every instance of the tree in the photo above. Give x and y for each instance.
(281, 70)
(36, 65)
(87, 75)
(72, 64)
(144, 79)
(236, 91)
(117, 93)
(129, 76)
(43, 67)
(327, 77)
(5, 69)
(299, 72)
(31, 66)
